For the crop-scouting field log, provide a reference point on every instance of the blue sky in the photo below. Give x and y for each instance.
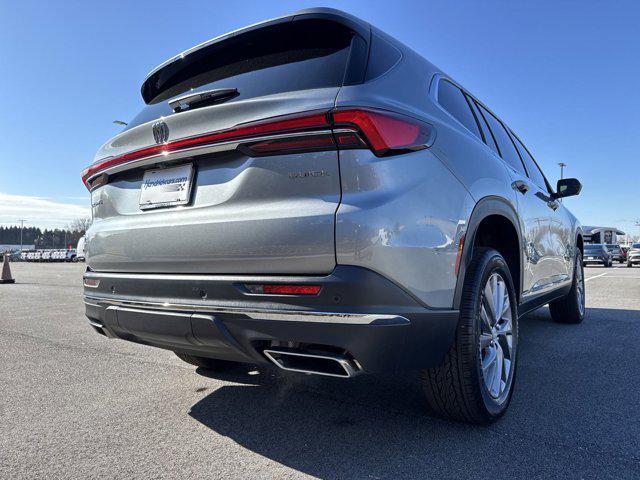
(563, 75)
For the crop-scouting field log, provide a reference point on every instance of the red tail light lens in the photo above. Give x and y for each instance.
(284, 289)
(386, 132)
(297, 144)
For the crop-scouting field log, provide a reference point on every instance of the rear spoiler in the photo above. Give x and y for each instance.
(156, 79)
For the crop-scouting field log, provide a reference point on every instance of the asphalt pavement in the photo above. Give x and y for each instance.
(74, 404)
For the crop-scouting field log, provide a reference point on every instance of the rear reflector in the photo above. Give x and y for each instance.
(386, 133)
(271, 289)
(456, 268)
(91, 282)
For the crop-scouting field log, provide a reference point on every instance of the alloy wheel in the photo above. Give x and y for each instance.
(580, 288)
(497, 340)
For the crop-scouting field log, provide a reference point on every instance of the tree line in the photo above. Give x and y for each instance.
(47, 238)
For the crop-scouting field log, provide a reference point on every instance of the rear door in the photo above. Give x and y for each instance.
(232, 212)
(560, 230)
(532, 208)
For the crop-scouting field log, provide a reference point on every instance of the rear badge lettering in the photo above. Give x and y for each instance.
(318, 173)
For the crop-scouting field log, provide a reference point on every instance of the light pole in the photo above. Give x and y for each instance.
(562, 165)
(21, 228)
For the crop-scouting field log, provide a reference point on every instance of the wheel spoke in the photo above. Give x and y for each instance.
(499, 298)
(496, 382)
(488, 360)
(484, 316)
(485, 340)
(490, 303)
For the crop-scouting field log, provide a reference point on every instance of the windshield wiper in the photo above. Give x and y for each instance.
(202, 99)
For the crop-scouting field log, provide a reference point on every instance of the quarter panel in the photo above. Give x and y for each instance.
(402, 216)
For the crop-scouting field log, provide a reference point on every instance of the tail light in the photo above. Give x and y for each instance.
(385, 133)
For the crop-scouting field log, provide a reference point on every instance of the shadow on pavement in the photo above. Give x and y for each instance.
(375, 426)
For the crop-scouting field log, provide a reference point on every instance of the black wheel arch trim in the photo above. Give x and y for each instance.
(486, 207)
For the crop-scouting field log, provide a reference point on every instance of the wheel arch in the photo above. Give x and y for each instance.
(491, 211)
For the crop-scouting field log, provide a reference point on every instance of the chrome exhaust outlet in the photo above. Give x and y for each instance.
(327, 364)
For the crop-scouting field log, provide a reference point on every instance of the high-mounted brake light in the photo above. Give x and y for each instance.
(384, 132)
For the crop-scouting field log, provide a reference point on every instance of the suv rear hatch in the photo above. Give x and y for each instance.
(219, 173)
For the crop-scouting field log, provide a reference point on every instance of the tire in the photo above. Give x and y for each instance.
(461, 389)
(629, 264)
(571, 308)
(204, 362)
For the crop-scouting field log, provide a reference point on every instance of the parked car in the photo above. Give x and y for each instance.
(597, 253)
(616, 252)
(80, 255)
(357, 210)
(71, 255)
(46, 255)
(633, 255)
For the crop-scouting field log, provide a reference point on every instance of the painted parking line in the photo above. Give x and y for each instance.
(597, 276)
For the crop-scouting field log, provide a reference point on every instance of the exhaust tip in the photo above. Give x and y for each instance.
(327, 364)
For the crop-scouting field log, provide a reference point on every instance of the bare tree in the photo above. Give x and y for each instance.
(80, 224)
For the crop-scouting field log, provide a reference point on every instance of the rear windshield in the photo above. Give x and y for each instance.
(593, 248)
(298, 55)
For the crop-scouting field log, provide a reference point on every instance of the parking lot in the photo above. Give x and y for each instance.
(76, 405)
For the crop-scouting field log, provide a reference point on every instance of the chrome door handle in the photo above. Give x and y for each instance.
(520, 186)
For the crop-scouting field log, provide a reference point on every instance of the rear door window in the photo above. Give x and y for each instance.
(488, 137)
(507, 148)
(535, 174)
(453, 101)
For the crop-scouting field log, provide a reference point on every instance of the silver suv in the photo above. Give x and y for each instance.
(310, 192)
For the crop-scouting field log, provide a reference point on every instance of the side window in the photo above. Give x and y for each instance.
(506, 146)
(453, 101)
(535, 173)
(488, 137)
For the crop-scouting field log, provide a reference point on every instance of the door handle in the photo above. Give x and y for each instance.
(520, 186)
(553, 205)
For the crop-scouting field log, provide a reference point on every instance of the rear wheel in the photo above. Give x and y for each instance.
(204, 362)
(571, 308)
(475, 382)
(629, 264)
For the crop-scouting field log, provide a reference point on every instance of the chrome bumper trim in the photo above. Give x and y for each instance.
(257, 314)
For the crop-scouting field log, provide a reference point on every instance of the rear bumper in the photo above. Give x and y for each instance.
(595, 260)
(357, 312)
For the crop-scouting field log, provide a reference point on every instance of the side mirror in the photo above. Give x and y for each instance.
(568, 187)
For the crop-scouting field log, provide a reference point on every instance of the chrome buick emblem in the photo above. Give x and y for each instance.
(160, 132)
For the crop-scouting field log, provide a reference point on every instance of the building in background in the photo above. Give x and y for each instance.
(601, 234)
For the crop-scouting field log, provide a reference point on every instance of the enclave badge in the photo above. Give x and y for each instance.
(160, 132)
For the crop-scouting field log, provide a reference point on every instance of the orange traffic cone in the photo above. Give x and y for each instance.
(6, 271)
